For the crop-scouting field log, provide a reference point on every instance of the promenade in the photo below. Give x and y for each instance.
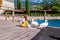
(30, 17)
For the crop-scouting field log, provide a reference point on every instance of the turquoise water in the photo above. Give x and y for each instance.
(54, 23)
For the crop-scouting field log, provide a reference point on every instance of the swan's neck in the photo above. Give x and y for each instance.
(45, 20)
(32, 20)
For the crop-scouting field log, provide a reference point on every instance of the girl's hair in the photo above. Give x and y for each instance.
(26, 17)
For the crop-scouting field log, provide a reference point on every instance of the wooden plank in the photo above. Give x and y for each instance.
(14, 35)
(2, 32)
(28, 35)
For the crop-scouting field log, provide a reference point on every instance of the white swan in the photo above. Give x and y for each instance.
(45, 24)
(34, 22)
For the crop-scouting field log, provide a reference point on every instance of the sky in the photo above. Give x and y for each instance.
(37, 1)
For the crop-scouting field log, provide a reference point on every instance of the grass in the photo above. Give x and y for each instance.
(36, 14)
(42, 14)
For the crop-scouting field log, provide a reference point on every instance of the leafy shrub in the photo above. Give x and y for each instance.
(56, 8)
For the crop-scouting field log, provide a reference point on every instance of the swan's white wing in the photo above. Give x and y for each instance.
(43, 25)
(34, 23)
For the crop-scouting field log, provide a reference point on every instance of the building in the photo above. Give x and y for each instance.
(6, 5)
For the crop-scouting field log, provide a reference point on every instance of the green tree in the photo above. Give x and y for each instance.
(55, 6)
(27, 7)
(54, 3)
(37, 7)
(19, 7)
(45, 4)
(56, 9)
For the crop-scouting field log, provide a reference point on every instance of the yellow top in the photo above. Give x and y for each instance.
(24, 24)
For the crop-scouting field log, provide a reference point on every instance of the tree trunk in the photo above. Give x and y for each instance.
(6, 16)
(45, 15)
(13, 16)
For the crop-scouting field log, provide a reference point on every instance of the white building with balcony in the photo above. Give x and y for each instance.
(7, 5)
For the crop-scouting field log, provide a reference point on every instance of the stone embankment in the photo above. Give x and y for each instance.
(30, 17)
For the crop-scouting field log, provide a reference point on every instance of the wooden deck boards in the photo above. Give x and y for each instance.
(9, 31)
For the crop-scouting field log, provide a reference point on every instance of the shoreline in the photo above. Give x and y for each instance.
(30, 17)
(42, 18)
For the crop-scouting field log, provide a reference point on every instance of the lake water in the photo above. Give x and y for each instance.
(51, 23)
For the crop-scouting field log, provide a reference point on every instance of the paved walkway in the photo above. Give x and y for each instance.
(30, 17)
(10, 31)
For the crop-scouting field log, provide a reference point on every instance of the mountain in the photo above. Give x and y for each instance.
(36, 1)
(32, 4)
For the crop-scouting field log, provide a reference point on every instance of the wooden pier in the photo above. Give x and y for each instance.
(10, 31)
